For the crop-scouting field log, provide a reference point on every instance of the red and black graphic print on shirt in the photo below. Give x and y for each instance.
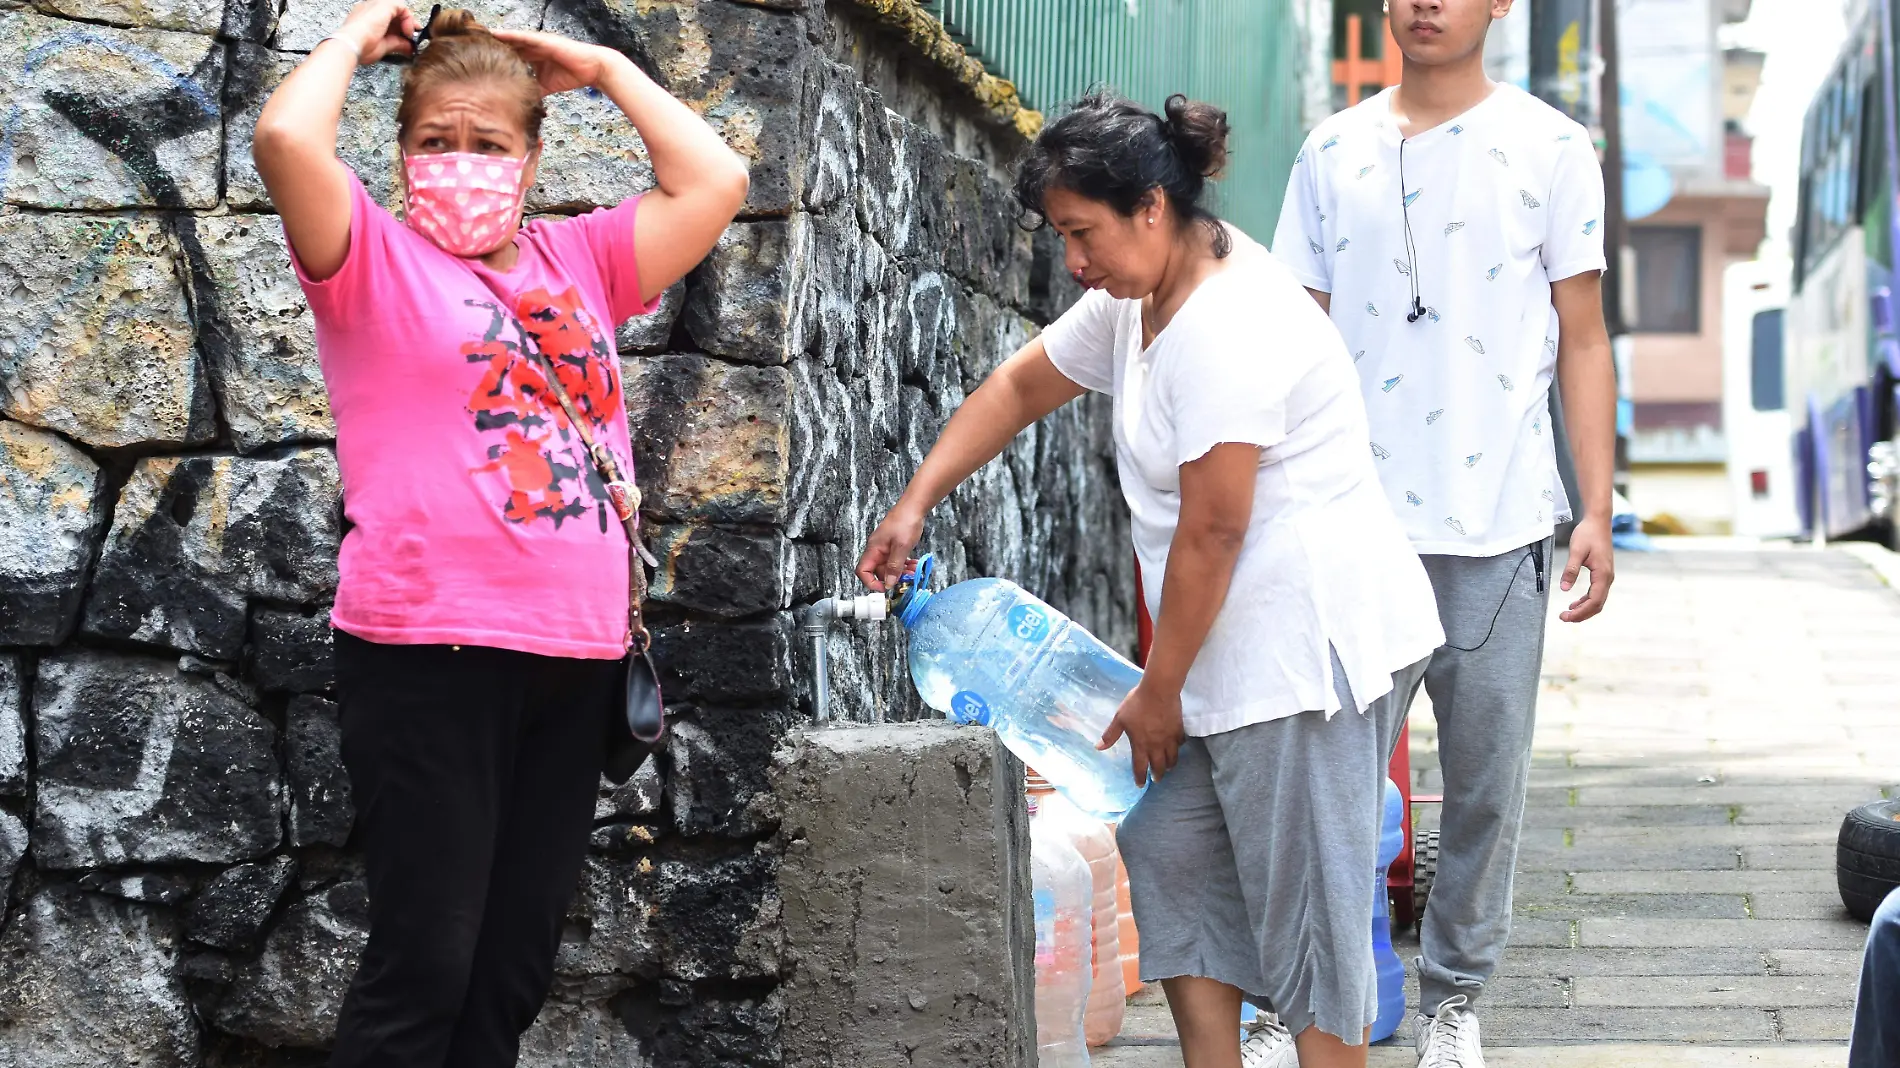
(542, 464)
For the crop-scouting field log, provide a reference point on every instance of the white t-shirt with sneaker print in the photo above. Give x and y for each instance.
(1501, 202)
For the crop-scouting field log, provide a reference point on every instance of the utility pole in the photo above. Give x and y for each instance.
(1615, 235)
(1613, 222)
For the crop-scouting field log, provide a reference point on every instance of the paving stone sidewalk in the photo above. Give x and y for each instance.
(1696, 748)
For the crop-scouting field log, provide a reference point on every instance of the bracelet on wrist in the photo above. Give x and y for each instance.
(355, 50)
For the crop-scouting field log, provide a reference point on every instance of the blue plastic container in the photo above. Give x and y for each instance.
(1385, 959)
(987, 651)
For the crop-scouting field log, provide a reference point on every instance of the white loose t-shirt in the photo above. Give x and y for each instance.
(1502, 201)
(1249, 358)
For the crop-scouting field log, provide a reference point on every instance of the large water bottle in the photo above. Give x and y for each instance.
(987, 651)
(1064, 897)
(1385, 960)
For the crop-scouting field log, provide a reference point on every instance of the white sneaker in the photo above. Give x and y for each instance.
(1449, 1039)
(1268, 1044)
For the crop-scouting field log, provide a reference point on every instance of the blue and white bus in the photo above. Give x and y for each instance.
(1843, 359)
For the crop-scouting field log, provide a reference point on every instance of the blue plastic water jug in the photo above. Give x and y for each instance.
(986, 651)
(1385, 959)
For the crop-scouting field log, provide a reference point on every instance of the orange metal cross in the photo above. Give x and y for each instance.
(1356, 71)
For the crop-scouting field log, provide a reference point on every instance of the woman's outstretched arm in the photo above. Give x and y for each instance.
(1024, 389)
(702, 183)
(295, 142)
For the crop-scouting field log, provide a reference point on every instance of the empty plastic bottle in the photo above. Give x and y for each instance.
(1095, 840)
(1385, 960)
(987, 651)
(1130, 938)
(1064, 897)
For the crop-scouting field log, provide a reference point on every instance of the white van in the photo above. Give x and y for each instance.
(1754, 400)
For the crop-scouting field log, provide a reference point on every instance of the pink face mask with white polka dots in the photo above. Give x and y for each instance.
(468, 204)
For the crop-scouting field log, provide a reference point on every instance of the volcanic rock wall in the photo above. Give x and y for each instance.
(175, 862)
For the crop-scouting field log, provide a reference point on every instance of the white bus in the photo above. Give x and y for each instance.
(1842, 350)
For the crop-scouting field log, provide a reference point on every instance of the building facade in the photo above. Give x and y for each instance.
(1694, 209)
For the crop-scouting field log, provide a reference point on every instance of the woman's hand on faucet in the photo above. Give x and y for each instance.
(889, 549)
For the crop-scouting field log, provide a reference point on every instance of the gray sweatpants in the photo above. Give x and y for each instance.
(1483, 684)
(1252, 862)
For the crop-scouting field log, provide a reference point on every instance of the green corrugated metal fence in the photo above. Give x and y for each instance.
(1243, 55)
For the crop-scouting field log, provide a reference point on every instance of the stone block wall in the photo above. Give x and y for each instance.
(176, 874)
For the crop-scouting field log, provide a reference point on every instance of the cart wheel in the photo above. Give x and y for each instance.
(1424, 869)
(1399, 899)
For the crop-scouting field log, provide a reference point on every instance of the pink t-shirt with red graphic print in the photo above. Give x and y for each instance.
(478, 519)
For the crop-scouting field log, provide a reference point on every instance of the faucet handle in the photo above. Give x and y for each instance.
(871, 606)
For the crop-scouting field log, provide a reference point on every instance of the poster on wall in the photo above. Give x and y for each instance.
(1563, 53)
(1667, 48)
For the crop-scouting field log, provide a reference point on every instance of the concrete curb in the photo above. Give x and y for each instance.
(1719, 543)
(1884, 561)
(1605, 1055)
(1630, 1055)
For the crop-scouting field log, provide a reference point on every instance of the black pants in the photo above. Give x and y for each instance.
(474, 772)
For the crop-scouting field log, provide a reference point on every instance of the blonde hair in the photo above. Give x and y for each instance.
(461, 50)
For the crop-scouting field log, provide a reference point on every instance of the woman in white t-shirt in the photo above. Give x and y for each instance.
(1287, 595)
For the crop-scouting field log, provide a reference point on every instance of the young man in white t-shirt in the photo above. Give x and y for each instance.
(1453, 229)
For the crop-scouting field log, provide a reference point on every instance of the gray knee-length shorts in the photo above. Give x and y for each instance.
(1252, 862)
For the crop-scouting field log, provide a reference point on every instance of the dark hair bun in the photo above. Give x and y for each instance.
(1110, 149)
(1199, 133)
(455, 22)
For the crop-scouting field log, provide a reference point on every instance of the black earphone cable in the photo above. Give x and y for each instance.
(1411, 247)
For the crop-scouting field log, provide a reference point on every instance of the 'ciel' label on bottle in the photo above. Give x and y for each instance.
(1028, 623)
(969, 707)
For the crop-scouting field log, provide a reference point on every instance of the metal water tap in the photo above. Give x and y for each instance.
(904, 601)
(814, 621)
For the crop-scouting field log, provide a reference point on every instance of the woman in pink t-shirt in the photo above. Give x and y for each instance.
(481, 615)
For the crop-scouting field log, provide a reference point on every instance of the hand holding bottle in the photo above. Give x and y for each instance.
(1151, 718)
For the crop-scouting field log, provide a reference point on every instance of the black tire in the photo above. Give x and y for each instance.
(1862, 895)
(1867, 857)
(1424, 869)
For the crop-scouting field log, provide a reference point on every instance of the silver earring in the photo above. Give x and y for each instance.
(1151, 220)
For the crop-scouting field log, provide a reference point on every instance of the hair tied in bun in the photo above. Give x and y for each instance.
(1198, 132)
(1110, 149)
